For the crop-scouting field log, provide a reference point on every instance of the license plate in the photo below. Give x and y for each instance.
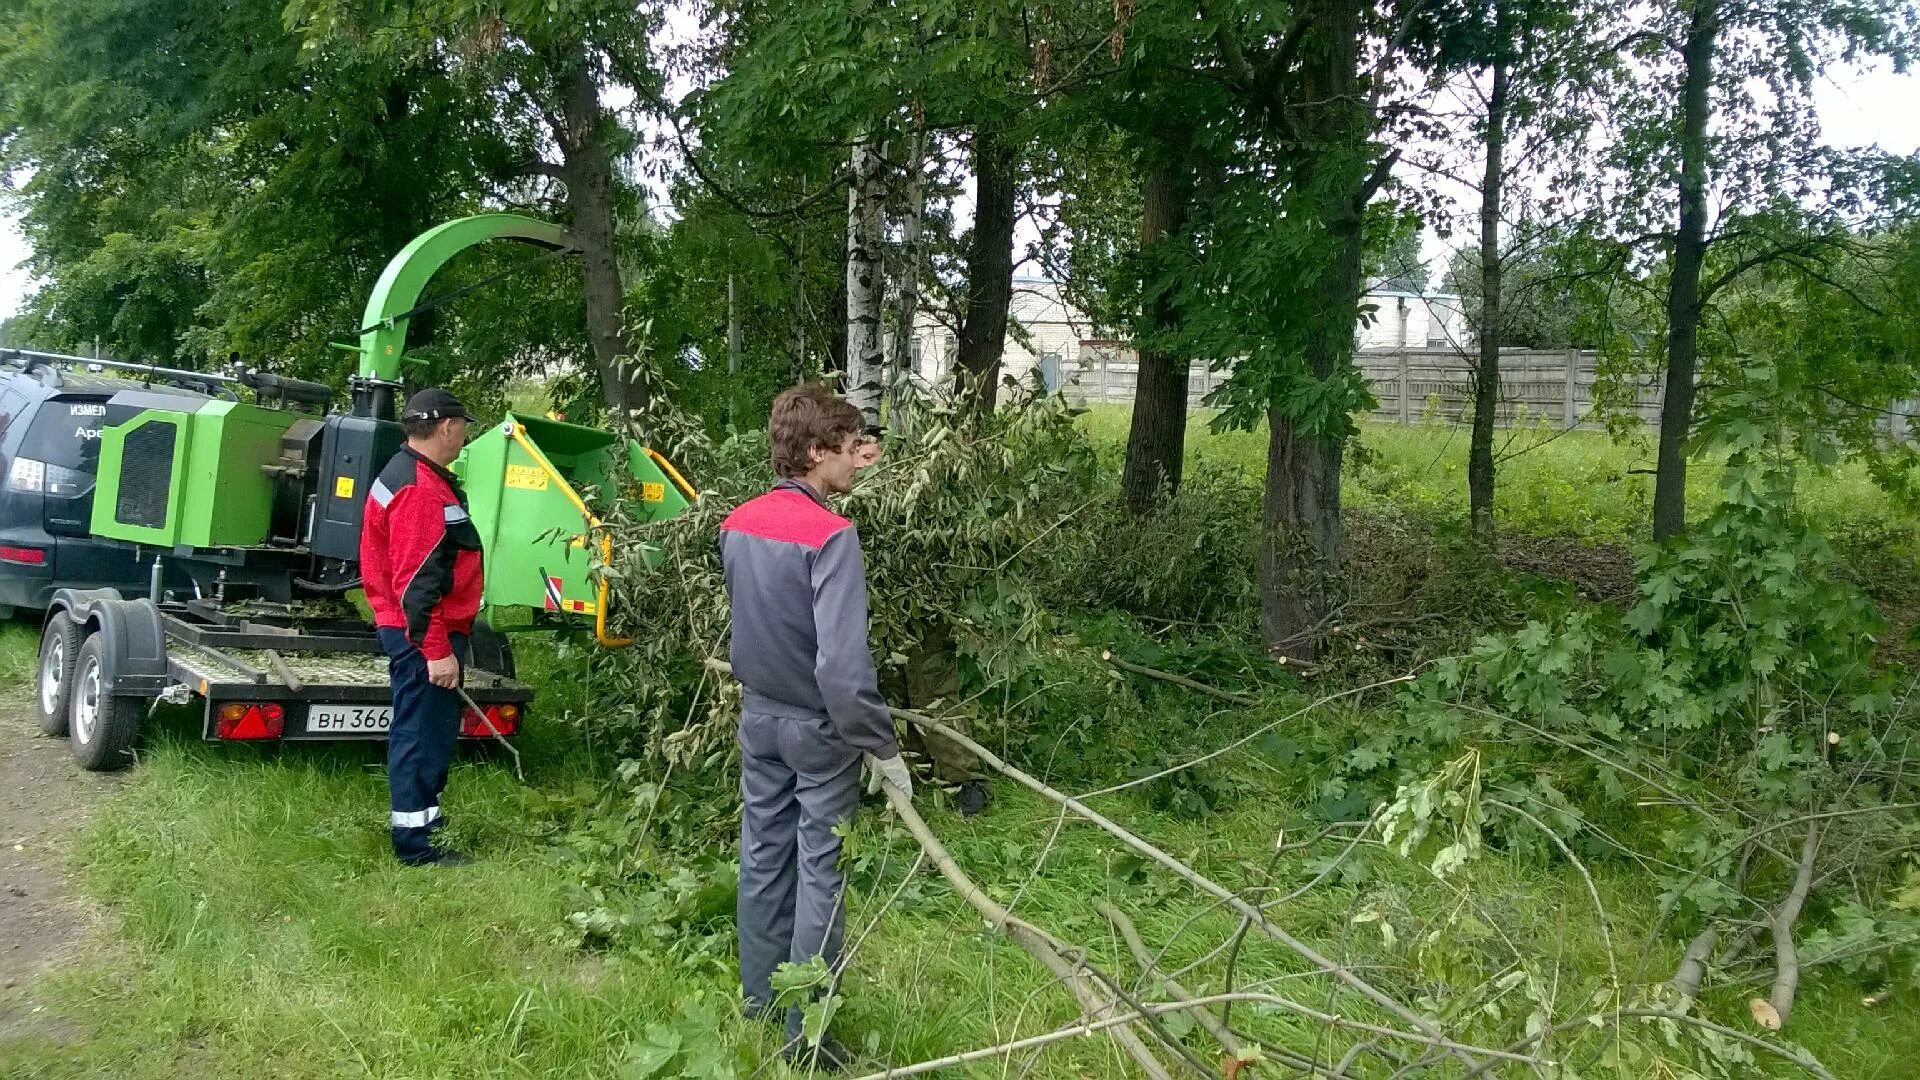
(350, 719)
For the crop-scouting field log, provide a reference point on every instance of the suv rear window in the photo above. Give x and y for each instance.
(66, 432)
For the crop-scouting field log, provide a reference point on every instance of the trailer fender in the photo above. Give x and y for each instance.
(78, 603)
(131, 633)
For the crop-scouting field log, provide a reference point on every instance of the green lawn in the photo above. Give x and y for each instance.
(1578, 483)
(255, 926)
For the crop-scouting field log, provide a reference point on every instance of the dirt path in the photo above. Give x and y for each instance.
(44, 800)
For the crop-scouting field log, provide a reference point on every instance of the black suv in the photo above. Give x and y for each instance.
(50, 419)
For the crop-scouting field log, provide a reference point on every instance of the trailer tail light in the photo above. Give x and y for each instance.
(243, 720)
(506, 721)
(26, 555)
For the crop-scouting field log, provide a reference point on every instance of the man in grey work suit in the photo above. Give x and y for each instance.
(812, 705)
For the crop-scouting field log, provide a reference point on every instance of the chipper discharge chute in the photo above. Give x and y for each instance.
(259, 504)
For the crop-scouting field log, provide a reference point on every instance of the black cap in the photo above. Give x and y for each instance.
(433, 403)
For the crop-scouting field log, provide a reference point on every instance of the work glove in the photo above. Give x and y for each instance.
(893, 770)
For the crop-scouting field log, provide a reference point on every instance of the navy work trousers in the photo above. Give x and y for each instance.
(426, 725)
(798, 781)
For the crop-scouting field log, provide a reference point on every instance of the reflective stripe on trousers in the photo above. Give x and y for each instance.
(420, 742)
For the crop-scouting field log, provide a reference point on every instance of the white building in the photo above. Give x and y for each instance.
(1404, 320)
(1045, 331)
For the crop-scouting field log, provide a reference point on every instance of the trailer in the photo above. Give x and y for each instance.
(263, 673)
(248, 516)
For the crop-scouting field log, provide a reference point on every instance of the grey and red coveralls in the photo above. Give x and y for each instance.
(798, 589)
(420, 563)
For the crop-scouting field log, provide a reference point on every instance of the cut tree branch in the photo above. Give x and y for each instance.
(1130, 934)
(1180, 680)
(1207, 885)
(1072, 1031)
(1786, 979)
(1041, 945)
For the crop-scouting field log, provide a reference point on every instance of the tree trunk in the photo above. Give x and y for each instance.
(1157, 439)
(983, 328)
(588, 173)
(1300, 534)
(1486, 381)
(909, 274)
(866, 283)
(1683, 293)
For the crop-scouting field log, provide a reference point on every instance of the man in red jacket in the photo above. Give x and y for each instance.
(421, 566)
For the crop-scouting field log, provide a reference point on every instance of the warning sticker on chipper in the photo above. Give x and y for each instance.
(555, 602)
(528, 477)
(652, 491)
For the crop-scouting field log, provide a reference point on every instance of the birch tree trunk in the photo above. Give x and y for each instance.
(866, 282)
(909, 271)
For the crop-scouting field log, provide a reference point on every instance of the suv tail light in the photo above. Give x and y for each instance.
(506, 721)
(245, 720)
(27, 474)
(27, 555)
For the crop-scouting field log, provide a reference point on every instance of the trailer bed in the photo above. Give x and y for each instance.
(329, 681)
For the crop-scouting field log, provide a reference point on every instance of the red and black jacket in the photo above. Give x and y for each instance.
(420, 554)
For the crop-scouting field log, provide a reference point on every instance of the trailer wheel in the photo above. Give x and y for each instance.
(53, 679)
(102, 726)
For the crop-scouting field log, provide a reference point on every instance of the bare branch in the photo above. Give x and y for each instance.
(1041, 945)
(1805, 247)
(1073, 1031)
(1180, 680)
(1796, 1057)
(1240, 73)
(538, 167)
(1382, 172)
(1130, 934)
(1200, 881)
(1786, 979)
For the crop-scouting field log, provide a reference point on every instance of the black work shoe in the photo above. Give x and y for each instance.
(971, 798)
(444, 857)
(829, 1056)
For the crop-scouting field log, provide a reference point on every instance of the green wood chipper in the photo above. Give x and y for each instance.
(250, 512)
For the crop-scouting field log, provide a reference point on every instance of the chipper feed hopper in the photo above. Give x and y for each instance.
(259, 508)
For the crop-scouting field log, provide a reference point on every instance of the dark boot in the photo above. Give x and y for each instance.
(971, 798)
(829, 1056)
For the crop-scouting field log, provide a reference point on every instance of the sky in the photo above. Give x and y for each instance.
(1858, 107)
